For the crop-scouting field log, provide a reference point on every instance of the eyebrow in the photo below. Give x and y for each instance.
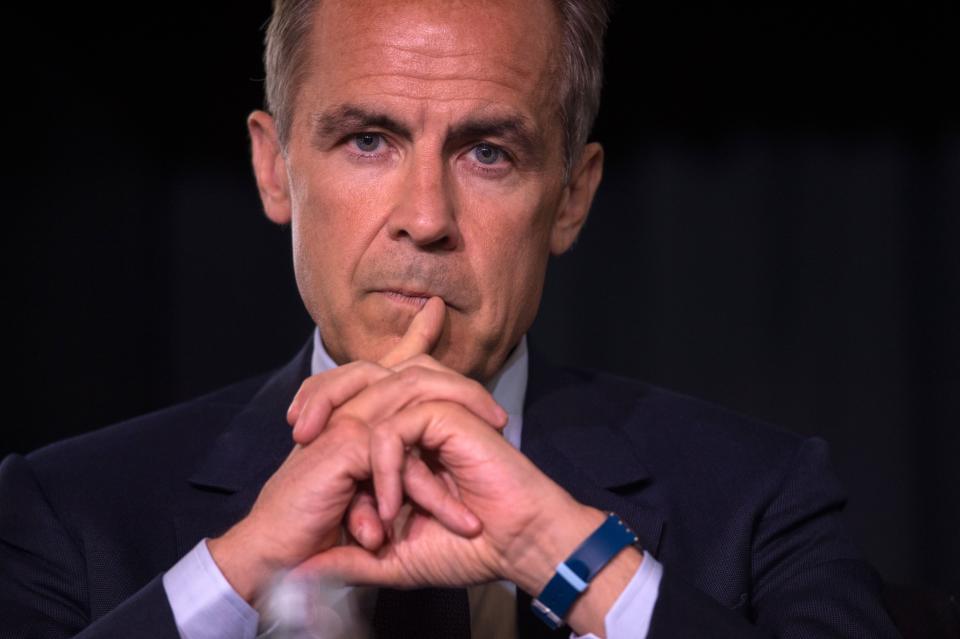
(515, 130)
(341, 120)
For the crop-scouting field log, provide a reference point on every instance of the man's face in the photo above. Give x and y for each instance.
(425, 159)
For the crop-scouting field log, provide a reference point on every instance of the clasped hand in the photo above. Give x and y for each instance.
(408, 457)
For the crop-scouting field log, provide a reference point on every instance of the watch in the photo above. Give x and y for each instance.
(574, 575)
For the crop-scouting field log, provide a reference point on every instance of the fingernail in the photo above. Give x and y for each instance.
(504, 416)
(471, 520)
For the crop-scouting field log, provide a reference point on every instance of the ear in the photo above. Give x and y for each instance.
(269, 167)
(578, 195)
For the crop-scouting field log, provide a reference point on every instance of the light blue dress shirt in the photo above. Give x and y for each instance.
(205, 606)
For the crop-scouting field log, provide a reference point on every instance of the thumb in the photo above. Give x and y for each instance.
(352, 565)
(421, 335)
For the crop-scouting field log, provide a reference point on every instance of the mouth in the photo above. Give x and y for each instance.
(415, 299)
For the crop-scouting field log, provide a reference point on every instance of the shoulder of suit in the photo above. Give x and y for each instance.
(668, 425)
(160, 442)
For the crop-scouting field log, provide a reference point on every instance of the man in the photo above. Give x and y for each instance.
(429, 156)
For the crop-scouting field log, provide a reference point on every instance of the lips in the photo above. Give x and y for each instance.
(413, 282)
(413, 298)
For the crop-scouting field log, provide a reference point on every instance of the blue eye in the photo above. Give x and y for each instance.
(368, 142)
(487, 153)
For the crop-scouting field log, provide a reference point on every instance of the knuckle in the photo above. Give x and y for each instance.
(411, 375)
(347, 426)
(307, 389)
(312, 382)
(379, 434)
(302, 391)
(371, 371)
(477, 386)
(363, 367)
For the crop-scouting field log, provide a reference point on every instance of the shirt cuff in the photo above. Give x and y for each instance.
(204, 604)
(631, 613)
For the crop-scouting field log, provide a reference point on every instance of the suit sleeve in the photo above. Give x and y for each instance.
(808, 580)
(43, 584)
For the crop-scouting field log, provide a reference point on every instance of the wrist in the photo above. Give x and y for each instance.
(259, 547)
(588, 613)
(246, 566)
(533, 558)
(589, 580)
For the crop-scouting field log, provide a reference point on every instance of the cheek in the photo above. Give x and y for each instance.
(511, 238)
(513, 229)
(334, 220)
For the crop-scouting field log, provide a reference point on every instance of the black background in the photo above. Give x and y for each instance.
(777, 231)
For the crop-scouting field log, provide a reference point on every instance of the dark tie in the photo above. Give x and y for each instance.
(428, 613)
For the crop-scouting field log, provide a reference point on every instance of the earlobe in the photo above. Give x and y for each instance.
(577, 198)
(269, 167)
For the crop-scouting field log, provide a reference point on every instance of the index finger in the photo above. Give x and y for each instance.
(421, 335)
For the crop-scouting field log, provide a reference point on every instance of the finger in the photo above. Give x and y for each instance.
(421, 335)
(432, 494)
(423, 360)
(427, 425)
(496, 416)
(415, 385)
(321, 394)
(388, 457)
(352, 565)
(459, 438)
(363, 522)
(449, 482)
(337, 382)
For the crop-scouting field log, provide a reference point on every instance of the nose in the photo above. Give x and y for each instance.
(425, 213)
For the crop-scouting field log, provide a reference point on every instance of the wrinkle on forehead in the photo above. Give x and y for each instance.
(439, 39)
(440, 91)
(411, 61)
(426, 24)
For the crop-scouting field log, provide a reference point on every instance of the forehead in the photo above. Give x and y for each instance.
(438, 54)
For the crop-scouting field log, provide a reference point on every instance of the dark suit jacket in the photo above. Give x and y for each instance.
(744, 518)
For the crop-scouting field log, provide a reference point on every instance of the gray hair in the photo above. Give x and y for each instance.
(580, 66)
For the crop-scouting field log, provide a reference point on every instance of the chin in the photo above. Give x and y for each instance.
(473, 362)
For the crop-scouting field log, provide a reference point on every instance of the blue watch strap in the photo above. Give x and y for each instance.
(574, 575)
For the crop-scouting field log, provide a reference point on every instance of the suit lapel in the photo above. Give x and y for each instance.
(573, 430)
(247, 452)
